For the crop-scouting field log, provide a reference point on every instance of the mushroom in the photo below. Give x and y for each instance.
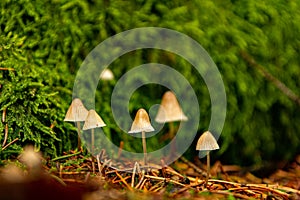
(206, 143)
(12, 173)
(77, 113)
(107, 75)
(92, 121)
(33, 161)
(170, 111)
(142, 124)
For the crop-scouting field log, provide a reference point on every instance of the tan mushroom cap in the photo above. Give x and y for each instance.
(141, 122)
(13, 174)
(107, 75)
(93, 120)
(31, 158)
(207, 142)
(76, 112)
(169, 109)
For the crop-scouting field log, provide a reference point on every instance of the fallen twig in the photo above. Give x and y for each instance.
(3, 148)
(4, 115)
(192, 165)
(280, 85)
(124, 181)
(141, 180)
(58, 179)
(5, 135)
(230, 194)
(7, 69)
(65, 156)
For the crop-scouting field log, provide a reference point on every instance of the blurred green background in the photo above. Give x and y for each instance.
(43, 44)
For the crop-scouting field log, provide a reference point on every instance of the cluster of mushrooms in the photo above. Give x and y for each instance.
(78, 113)
(169, 111)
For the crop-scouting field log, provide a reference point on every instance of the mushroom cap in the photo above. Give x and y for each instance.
(207, 142)
(13, 174)
(31, 158)
(141, 122)
(169, 109)
(107, 75)
(76, 112)
(93, 120)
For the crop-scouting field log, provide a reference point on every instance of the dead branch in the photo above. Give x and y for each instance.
(280, 85)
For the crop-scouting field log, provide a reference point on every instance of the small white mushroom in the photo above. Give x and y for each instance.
(142, 124)
(170, 111)
(206, 143)
(33, 161)
(107, 75)
(76, 113)
(12, 174)
(92, 121)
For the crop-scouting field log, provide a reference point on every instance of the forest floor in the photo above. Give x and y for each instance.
(77, 176)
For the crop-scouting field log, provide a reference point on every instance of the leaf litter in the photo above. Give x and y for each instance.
(78, 176)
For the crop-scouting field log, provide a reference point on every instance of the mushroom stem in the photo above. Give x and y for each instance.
(144, 147)
(79, 135)
(172, 134)
(93, 141)
(208, 167)
(171, 129)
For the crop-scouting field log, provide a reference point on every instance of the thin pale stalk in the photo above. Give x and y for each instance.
(93, 141)
(171, 129)
(172, 135)
(120, 149)
(208, 168)
(79, 136)
(144, 147)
